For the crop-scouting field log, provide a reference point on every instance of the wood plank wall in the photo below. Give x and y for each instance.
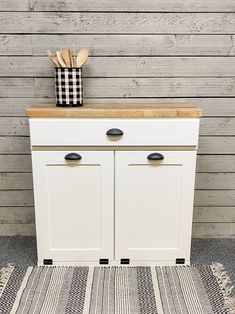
(141, 51)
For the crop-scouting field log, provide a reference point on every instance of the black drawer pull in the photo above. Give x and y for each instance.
(73, 156)
(114, 132)
(155, 156)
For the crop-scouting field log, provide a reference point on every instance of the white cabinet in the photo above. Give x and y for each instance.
(73, 205)
(113, 189)
(153, 202)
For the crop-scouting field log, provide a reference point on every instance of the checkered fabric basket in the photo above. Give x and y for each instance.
(68, 87)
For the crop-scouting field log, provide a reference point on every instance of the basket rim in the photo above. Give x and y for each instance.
(65, 68)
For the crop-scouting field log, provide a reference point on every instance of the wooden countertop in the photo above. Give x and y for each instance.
(115, 111)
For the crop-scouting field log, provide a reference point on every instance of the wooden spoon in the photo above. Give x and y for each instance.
(66, 55)
(60, 59)
(82, 57)
(53, 58)
(71, 58)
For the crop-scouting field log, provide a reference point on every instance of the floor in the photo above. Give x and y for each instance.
(22, 251)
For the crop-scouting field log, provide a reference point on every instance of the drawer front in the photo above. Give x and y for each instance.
(72, 197)
(93, 132)
(154, 204)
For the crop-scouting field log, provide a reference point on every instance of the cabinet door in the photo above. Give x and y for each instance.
(154, 202)
(73, 205)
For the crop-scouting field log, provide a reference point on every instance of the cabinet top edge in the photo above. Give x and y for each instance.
(115, 111)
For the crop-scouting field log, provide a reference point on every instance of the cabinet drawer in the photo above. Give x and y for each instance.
(92, 132)
(153, 204)
(74, 205)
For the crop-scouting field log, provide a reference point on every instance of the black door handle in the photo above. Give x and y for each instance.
(73, 156)
(155, 156)
(114, 132)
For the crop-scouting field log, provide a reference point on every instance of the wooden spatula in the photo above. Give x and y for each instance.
(53, 58)
(82, 57)
(66, 55)
(60, 59)
(71, 58)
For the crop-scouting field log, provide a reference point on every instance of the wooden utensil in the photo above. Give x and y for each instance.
(71, 57)
(60, 59)
(66, 55)
(53, 58)
(82, 57)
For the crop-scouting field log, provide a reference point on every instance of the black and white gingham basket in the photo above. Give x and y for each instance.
(68, 87)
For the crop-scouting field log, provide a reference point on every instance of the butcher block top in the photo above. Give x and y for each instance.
(115, 111)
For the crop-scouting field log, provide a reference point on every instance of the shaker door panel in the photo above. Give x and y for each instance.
(154, 201)
(74, 205)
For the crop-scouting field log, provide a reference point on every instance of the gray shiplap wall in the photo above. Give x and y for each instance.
(151, 51)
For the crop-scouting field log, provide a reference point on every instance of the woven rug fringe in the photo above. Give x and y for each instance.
(225, 284)
(5, 273)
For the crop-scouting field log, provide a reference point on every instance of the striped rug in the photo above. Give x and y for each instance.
(116, 290)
